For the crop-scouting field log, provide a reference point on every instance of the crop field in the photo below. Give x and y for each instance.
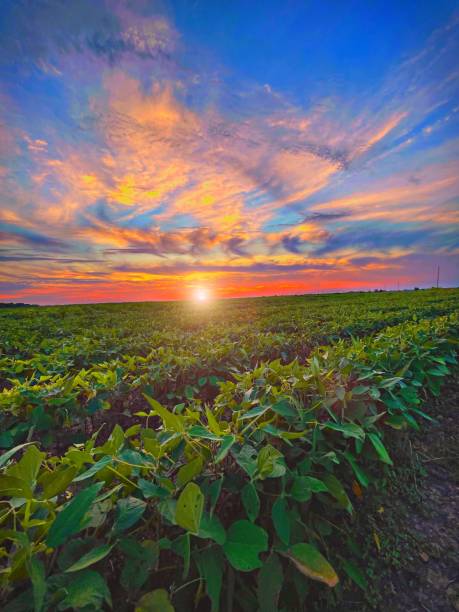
(187, 456)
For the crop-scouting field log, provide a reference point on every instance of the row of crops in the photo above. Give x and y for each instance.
(61, 365)
(208, 477)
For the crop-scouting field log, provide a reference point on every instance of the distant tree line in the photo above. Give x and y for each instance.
(14, 305)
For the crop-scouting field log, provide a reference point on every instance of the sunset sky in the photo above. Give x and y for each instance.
(246, 147)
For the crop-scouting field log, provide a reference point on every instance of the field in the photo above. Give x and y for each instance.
(180, 456)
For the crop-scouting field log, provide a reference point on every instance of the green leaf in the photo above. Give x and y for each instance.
(198, 431)
(214, 493)
(4, 458)
(71, 519)
(28, 466)
(360, 390)
(10, 486)
(93, 556)
(155, 601)
(254, 412)
(190, 505)
(250, 501)
(380, 448)
(212, 528)
(349, 430)
(171, 421)
(36, 570)
(87, 590)
(96, 467)
(355, 574)
(270, 579)
(188, 471)
(150, 489)
(181, 546)
(304, 486)
(57, 481)
(128, 512)
(279, 515)
(396, 421)
(247, 459)
(358, 471)
(284, 408)
(210, 563)
(212, 422)
(244, 542)
(114, 442)
(189, 392)
(337, 490)
(310, 562)
(140, 560)
(270, 463)
(227, 443)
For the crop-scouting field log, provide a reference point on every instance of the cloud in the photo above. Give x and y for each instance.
(120, 154)
(39, 31)
(16, 234)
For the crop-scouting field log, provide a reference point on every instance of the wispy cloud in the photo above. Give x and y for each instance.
(144, 153)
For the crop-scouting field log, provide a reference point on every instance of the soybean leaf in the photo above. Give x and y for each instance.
(250, 501)
(355, 574)
(150, 489)
(155, 601)
(140, 560)
(57, 481)
(14, 487)
(210, 563)
(28, 466)
(284, 408)
(349, 430)
(128, 512)
(93, 556)
(181, 546)
(279, 514)
(212, 528)
(337, 490)
(171, 421)
(270, 579)
(71, 519)
(87, 590)
(4, 458)
(244, 542)
(36, 571)
(227, 443)
(190, 505)
(310, 562)
(198, 431)
(380, 448)
(214, 493)
(188, 471)
(270, 463)
(96, 467)
(358, 471)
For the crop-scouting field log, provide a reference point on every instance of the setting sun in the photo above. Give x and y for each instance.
(201, 295)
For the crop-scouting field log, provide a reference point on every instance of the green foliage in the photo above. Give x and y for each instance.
(245, 480)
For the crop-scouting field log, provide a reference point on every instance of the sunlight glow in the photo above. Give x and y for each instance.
(201, 295)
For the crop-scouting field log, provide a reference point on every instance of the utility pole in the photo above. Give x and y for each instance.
(438, 275)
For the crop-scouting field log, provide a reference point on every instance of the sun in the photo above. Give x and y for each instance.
(201, 295)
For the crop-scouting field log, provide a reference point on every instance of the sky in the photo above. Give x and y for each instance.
(149, 149)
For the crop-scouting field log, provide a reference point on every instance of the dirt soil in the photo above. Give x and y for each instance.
(414, 566)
